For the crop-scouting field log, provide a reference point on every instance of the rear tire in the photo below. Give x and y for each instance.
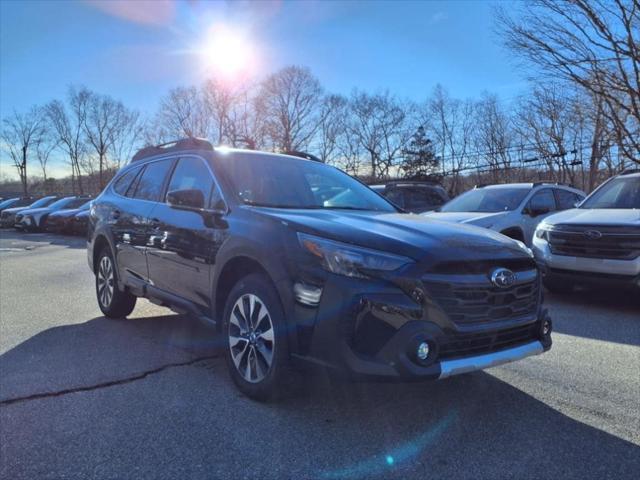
(256, 349)
(113, 302)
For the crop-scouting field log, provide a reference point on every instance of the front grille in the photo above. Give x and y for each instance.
(464, 345)
(475, 304)
(617, 243)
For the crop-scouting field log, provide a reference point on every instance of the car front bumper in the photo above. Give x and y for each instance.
(371, 330)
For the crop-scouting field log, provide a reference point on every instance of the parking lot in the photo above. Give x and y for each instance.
(84, 396)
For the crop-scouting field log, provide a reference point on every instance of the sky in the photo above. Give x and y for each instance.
(136, 51)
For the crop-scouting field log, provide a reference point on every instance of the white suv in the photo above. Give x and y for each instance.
(513, 209)
(596, 243)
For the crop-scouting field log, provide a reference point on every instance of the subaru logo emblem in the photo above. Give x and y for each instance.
(503, 277)
(593, 234)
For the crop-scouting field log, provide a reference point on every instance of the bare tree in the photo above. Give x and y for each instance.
(290, 100)
(68, 125)
(382, 126)
(20, 134)
(44, 148)
(450, 122)
(182, 113)
(594, 44)
(333, 113)
(104, 122)
(493, 135)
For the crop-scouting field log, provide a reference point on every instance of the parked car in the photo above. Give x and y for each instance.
(15, 202)
(240, 240)
(415, 197)
(8, 216)
(79, 223)
(61, 221)
(34, 219)
(597, 243)
(513, 209)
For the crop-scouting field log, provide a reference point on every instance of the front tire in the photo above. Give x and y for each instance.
(113, 302)
(257, 353)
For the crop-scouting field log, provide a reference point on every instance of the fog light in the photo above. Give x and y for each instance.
(307, 294)
(423, 351)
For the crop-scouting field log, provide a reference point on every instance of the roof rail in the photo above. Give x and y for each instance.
(566, 184)
(189, 143)
(413, 182)
(305, 155)
(628, 171)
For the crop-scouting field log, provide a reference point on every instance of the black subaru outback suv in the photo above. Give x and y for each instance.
(294, 260)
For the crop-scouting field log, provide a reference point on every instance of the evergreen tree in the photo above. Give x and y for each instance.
(420, 161)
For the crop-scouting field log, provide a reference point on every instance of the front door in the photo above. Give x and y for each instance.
(183, 244)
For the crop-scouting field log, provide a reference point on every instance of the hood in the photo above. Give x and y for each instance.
(13, 211)
(35, 211)
(415, 236)
(596, 216)
(475, 218)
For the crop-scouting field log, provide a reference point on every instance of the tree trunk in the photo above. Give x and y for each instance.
(23, 172)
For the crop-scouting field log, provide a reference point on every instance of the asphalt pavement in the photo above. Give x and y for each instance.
(82, 396)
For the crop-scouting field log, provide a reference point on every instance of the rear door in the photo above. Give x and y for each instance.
(183, 244)
(130, 217)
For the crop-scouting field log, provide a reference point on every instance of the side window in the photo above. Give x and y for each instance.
(566, 199)
(191, 173)
(152, 180)
(122, 184)
(542, 202)
(395, 196)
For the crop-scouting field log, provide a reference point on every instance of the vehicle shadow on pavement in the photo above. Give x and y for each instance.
(611, 316)
(100, 351)
(162, 381)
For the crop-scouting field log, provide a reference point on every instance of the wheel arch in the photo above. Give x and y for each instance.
(234, 269)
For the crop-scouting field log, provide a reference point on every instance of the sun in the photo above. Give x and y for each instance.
(227, 51)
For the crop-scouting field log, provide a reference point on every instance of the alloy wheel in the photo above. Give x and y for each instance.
(251, 338)
(105, 281)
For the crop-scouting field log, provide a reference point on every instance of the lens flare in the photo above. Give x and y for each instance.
(227, 51)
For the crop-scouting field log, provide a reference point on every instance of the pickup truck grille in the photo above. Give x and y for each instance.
(617, 243)
(485, 303)
(464, 345)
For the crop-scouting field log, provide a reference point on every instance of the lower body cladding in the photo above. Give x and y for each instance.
(375, 330)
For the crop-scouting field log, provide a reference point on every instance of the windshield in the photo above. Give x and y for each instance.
(43, 202)
(8, 202)
(621, 192)
(281, 182)
(487, 200)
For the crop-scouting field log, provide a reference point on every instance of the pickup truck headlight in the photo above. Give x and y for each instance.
(350, 260)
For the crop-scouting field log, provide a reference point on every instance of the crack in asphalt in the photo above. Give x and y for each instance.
(111, 383)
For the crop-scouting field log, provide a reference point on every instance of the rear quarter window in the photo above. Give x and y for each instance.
(122, 184)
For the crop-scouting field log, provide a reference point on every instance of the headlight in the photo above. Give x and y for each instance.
(349, 260)
(542, 231)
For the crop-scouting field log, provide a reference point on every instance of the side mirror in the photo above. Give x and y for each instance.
(188, 199)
